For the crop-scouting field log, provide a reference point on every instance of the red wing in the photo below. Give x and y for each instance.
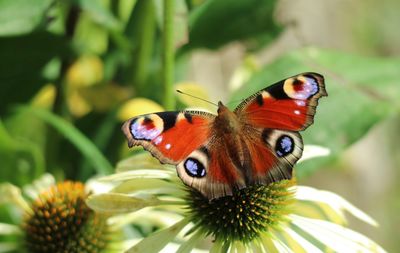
(265, 156)
(273, 155)
(288, 105)
(169, 136)
(211, 171)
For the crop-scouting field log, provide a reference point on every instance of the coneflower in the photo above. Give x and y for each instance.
(58, 220)
(279, 217)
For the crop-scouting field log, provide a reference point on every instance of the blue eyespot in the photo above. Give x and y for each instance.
(284, 145)
(194, 168)
(313, 89)
(145, 130)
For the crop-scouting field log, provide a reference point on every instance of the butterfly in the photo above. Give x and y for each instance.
(256, 143)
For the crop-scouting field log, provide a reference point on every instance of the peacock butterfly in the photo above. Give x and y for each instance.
(257, 143)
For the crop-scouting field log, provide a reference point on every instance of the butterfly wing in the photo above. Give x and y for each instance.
(262, 157)
(214, 162)
(186, 139)
(272, 154)
(169, 136)
(221, 174)
(287, 105)
(271, 119)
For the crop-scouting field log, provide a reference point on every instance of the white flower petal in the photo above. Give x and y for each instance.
(8, 229)
(238, 247)
(281, 247)
(336, 202)
(150, 186)
(257, 247)
(10, 193)
(39, 185)
(173, 247)
(217, 247)
(306, 245)
(95, 186)
(141, 161)
(336, 237)
(151, 216)
(312, 151)
(189, 245)
(123, 176)
(268, 244)
(158, 240)
(122, 203)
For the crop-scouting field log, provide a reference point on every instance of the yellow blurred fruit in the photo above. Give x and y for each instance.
(77, 104)
(45, 97)
(105, 97)
(138, 106)
(86, 71)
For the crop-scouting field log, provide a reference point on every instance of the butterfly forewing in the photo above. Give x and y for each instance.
(287, 105)
(169, 136)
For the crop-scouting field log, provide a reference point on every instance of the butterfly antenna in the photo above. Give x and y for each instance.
(202, 99)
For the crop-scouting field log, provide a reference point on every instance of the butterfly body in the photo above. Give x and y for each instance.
(226, 122)
(257, 143)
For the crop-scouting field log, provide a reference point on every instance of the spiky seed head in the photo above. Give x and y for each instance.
(62, 222)
(244, 215)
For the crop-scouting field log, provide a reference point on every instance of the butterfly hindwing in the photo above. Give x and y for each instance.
(262, 157)
(211, 171)
(287, 105)
(274, 155)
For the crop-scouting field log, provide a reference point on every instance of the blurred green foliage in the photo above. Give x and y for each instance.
(215, 23)
(73, 65)
(95, 55)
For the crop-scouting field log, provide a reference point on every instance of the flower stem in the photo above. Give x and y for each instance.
(145, 34)
(168, 55)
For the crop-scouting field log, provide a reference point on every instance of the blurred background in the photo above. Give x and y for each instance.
(72, 71)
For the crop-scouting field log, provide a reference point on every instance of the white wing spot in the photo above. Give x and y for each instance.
(158, 140)
(297, 112)
(300, 102)
(168, 146)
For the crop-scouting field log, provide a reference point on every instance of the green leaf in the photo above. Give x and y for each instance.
(19, 17)
(21, 159)
(96, 24)
(81, 142)
(217, 22)
(362, 91)
(22, 61)
(100, 14)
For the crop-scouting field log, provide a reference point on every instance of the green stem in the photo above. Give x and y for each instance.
(60, 103)
(168, 55)
(60, 106)
(88, 149)
(145, 33)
